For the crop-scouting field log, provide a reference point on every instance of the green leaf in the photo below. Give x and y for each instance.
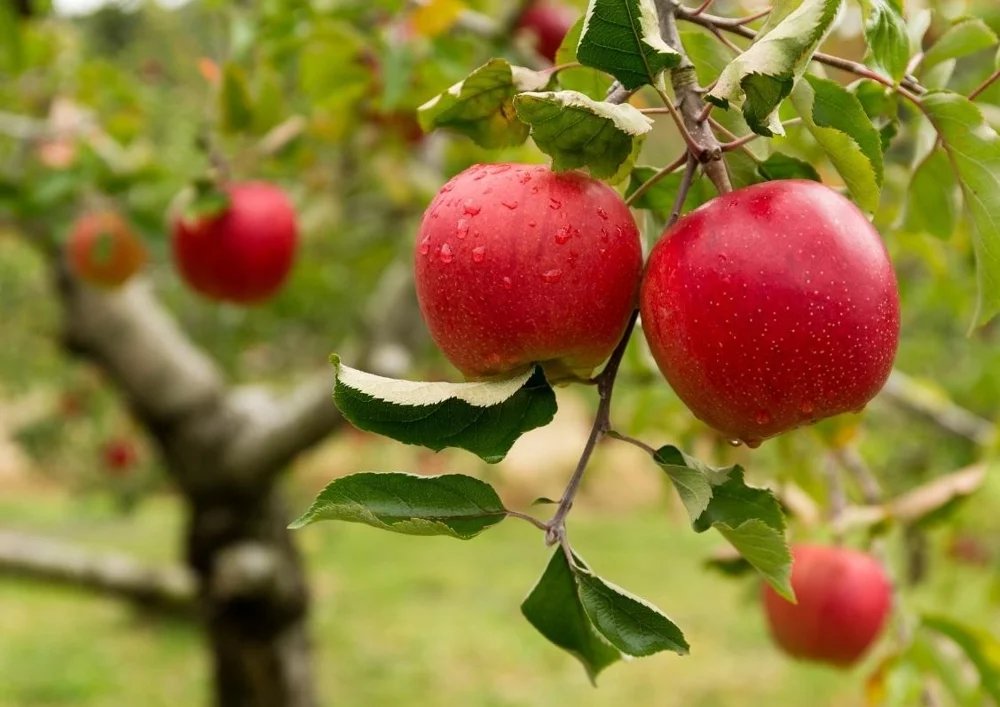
(622, 38)
(930, 198)
(762, 76)
(630, 624)
(235, 102)
(973, 147)
(967, 36)
(453, 504)
(982, 649)
(660, 197)
(481, 106)
(708, 55)
(840, 125)
(586, 80)
(579, 132)
(782, 166)
(483, 417)
(885, 33)
(554, 608)
(749, 518)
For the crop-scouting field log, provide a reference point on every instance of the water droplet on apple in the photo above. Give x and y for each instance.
(510, 204)
(752, 443)
(734, 442)
(462, 229)
(445, 254)
(602, 213)
(478, 253)
(500, 168)
(807, 408)
(762, 417)
(425, 245)
(563, 235)
(552, 276)
(471, 208)
(532, 224)
(554, 204)
(524, 177)
(507, 284)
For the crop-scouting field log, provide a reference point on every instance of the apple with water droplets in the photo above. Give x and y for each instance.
(771, 307)
(843, 599)
(241, 252)
(516, 264)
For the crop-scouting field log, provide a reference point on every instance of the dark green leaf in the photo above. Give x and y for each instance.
(484, 417)
(236, 104)
(555, 609)
(930, 198)
(982, 649)
(481, 106)
(579, 132)
(782, 166)
(749, 518)
(885, 33)
(974, 149)
(630, 624)
(622, 38)
(761, 77)
(454, 505)
(840, 125)
(967, 36)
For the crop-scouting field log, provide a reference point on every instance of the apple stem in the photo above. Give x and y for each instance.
(614, 434)
(555, 529)
(660, 174)
(682, 191)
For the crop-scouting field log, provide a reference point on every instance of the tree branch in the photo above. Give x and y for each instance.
(906, 393)
(170, 589)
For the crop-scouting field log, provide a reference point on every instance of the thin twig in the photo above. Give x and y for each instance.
(660, 174)
(733, 137)
(741, 141)
(682, 192)
(756, 16)
(613, 434)
(531, 519)
(984, 85)
(693, 147)
(701, 8)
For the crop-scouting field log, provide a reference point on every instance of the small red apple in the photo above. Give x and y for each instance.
(516, 264)
(103, 250)
(244, 252)
(548, 21)
(844, 598)
(119, 456)
(771, 307)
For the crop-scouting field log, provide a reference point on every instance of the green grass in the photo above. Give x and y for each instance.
(406, 621)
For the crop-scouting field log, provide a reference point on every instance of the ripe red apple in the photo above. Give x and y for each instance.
(771, 307)
(548, 21)
(103, 250)
(843, 597)
(516, 264)
(119, 456)
(243, 253)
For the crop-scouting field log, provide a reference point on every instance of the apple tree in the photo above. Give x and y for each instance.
(716, 218)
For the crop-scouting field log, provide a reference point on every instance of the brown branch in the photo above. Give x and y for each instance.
(169, 589)
(906, 393)
(987, 82)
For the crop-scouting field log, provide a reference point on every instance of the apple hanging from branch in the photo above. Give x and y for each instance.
(516, 264)
(772, 307)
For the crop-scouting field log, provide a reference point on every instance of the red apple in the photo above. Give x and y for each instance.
(548, 22)
(516, 264)
(242, 254)
(103, 250)
(843, 597)
(771, 307)
(119, 456)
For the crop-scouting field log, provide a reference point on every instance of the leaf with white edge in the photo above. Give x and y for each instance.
(577, 131)
(973, 147)
(761, 77)
(481, 106)
(749, 518)
(554, 608)
(483, 417)
(930, 198)
(967, 36)
(885, 33)
(782, 166)
(586, 80)
(982, 649)
(630, 624)
(840, 125)
(452, 504)
(622, 38)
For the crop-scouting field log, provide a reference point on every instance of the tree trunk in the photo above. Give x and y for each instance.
(254, 601)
